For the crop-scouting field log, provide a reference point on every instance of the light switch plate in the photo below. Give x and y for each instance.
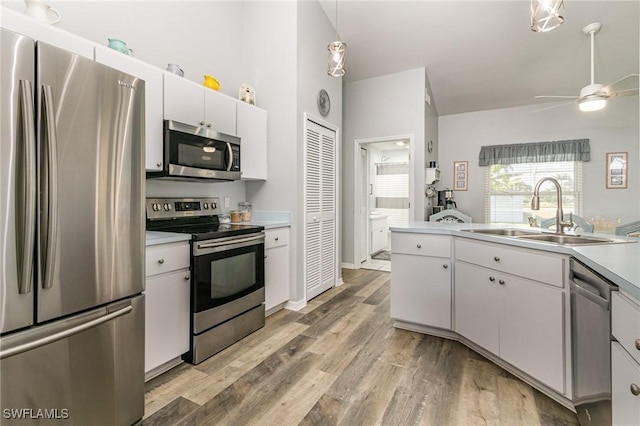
(226, 202)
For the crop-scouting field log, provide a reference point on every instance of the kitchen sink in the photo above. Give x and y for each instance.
(547, 237)
(507, 232)
(570, 240)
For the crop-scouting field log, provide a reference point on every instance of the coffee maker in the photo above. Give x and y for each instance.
(445, 199)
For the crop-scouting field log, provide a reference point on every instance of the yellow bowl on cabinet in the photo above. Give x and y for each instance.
(210, 82)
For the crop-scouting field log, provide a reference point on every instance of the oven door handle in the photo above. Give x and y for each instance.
(230, 243)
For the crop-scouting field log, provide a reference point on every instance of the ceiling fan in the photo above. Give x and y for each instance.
(594, 96)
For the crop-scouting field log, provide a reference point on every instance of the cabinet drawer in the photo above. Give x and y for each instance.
(166, 258)
(625, 374)
(529, 264)
(625, 324)
(421, 244)
(276, 237)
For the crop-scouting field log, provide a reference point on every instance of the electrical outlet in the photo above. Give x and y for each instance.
(226, 202)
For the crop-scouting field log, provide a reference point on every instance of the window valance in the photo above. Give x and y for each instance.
(537, 152)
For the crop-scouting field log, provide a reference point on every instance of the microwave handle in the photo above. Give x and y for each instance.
(230, 156)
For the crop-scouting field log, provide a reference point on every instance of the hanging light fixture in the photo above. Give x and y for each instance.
(337, 54)
(546, 15)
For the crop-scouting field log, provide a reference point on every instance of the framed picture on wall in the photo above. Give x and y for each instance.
(460, 175)
(616, 170)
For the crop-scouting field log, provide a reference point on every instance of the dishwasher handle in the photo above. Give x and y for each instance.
(582, 288)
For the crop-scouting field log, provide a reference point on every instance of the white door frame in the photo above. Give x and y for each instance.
(357, 179)
(312, 118)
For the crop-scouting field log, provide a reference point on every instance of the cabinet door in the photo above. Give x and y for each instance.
(183, 100)
(276, 274)
(532, 329)
(153, 99)
(379, 240)
(166, 318)
(625, 373)
(421, 290)
(220, 113)
(476, 305)
(252, 130)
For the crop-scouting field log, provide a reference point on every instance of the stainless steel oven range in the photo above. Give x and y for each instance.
(227, 272)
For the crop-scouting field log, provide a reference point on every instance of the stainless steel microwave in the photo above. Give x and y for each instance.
(196, 153)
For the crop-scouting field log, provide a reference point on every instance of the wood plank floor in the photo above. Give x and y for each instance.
(340, 361)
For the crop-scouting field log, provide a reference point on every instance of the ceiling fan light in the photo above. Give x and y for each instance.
(546, 15)
(592, 104)
(337, 55)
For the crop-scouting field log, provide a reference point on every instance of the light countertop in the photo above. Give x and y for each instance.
(269, 219)
(620, 263)
(157, 237)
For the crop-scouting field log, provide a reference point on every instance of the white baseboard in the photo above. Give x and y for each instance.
(295, 305)
(340, 282)
(349, 265)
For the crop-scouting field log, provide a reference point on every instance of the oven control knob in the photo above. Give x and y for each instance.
(213, 205)
(206, 206)
(167, 207)
(155, 207)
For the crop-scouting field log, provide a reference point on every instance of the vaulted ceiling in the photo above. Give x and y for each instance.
(482, 55)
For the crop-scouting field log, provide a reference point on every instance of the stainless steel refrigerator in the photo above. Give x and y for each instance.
(71, 238)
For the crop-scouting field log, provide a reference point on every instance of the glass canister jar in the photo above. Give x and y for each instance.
(245, 211)
(235, 216)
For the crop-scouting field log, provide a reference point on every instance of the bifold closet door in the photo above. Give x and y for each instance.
(320, 203)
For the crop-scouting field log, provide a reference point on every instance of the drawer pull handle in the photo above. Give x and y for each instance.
(638, 344)
(501, 282)
(496, 258)
(445, 266)
(187, 277)
(266, 257)
(158, 164)
(202, 123)
(161, 261)
(635, 389)
(492, 279)
(419, 245)
(277, 238)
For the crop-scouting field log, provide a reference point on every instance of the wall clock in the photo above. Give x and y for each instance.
(324, 103)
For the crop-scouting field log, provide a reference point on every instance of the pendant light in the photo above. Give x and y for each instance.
(337, 54)
(546, 15)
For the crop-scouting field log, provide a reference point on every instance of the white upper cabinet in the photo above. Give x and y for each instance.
(219, 111)
(183, 100)
(194, 104)
(252, 130)
(153, 99)
(23, 24)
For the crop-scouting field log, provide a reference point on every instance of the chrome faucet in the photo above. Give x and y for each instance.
(535, 205)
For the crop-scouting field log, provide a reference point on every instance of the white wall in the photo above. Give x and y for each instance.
(613, 129)
(203, 37)
(378, 107)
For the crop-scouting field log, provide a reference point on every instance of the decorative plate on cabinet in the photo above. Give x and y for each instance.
(324, 103)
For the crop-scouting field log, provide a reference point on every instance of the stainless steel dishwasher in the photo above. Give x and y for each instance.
(591, 344)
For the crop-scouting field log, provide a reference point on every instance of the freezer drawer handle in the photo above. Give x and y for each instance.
(50, 188)
(638, 344)
(27, 190)
(635, 389)
(65, 333)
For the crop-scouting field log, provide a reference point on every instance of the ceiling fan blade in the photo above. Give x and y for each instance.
(628, 92)
(556, 97)
(553, 106)
(631, 81)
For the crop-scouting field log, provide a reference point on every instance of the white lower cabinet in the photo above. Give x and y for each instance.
(421, 279)
(625, 360)
(167, 307)
(520, 320)
(276, 268)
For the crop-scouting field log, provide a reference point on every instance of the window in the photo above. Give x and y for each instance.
(509, 188)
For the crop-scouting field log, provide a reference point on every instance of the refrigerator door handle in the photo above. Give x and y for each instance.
(18, 349)
(49, 187)
(26, 187)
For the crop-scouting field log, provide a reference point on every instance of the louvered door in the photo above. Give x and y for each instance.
(320, 202)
